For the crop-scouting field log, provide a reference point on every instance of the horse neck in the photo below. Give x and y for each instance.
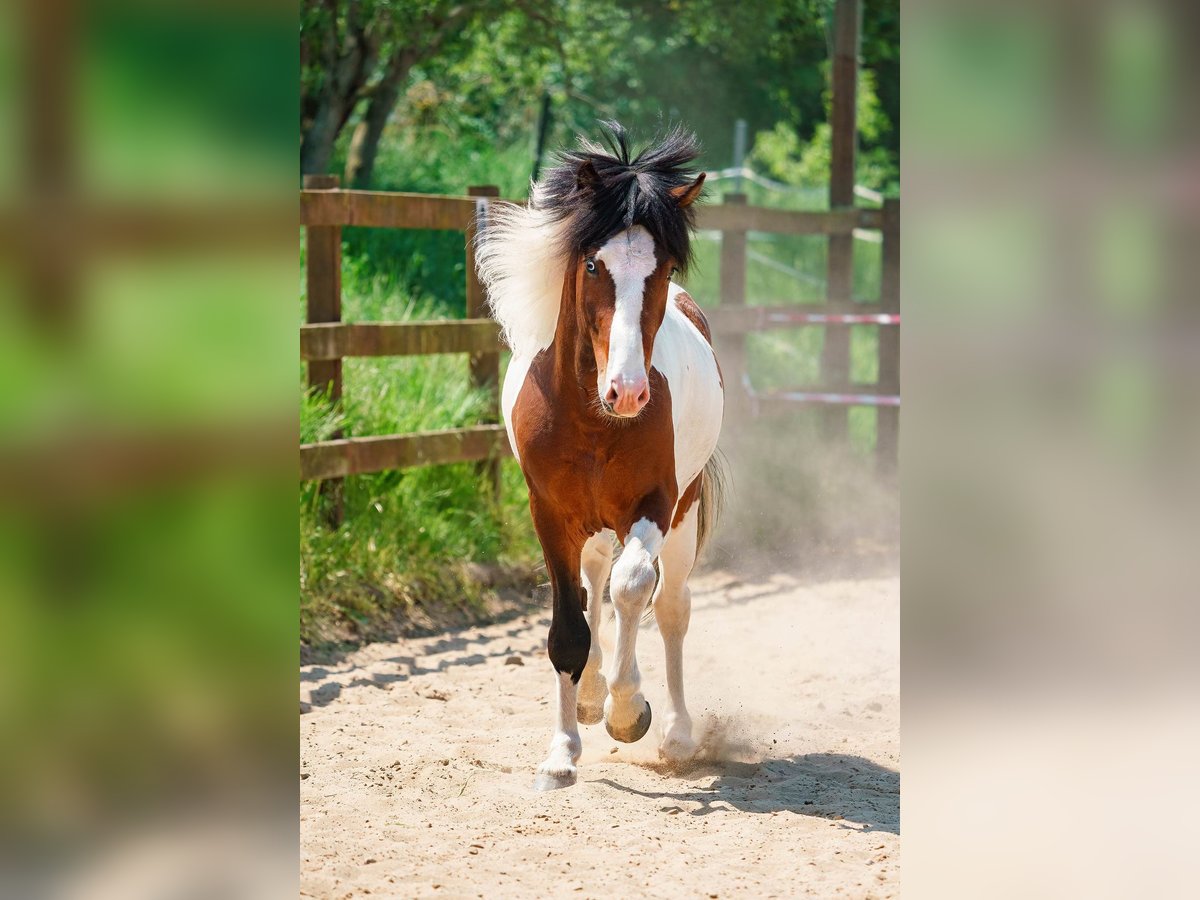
(574, 362)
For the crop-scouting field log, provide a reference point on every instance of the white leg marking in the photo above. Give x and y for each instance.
(632, 583)
(673, 610)
(565, 745)
(594, 568)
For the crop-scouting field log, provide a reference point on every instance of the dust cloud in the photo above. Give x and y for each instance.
(798, 503)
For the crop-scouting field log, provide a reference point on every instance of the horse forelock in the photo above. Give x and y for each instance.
(622, 191)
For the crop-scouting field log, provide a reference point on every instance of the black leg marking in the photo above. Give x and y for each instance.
(570, 639)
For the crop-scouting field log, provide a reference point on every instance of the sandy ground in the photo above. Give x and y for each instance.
(417, 760)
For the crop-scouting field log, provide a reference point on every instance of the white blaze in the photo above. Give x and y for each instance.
(629, 258)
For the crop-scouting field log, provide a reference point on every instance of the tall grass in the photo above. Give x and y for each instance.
(407, 537)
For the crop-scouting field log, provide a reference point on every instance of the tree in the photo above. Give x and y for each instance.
(442, 28)
(339, 49)
(702, 62)
(363, 50)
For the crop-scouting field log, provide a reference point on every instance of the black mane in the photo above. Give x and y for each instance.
(599, 191)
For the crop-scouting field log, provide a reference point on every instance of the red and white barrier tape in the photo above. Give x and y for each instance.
(802, 318)
(838, 399)
(817, 398)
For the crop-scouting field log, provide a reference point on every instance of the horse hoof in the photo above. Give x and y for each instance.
(545, 782)
(634, 734)
(589, 715)
(587, 710)
(677, 749)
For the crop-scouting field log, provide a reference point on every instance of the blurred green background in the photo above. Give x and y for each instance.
(147, 426)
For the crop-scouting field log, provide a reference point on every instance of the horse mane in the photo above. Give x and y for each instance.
(517, 257)
(588, 196)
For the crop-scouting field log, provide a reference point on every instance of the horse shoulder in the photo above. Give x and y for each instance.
(514, 400)
(691, 310)
(688, 362)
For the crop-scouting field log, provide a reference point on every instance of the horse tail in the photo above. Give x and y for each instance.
(714, 484)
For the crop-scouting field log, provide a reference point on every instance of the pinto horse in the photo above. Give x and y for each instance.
(613, 403)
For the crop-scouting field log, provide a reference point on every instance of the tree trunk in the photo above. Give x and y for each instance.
(348, 72)
(364, 144)
(316, 143)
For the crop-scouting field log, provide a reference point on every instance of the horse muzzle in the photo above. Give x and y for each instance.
(627, 395)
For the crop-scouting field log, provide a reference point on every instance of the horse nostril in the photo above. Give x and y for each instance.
(644, 397)
(611, 396)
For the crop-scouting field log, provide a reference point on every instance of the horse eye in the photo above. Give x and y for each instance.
(590, 264)
(674, 271)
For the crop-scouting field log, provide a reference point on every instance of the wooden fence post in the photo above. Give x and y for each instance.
(732, 348)
(887, 441)
(835, 352)
(323, 277)
(484, 367)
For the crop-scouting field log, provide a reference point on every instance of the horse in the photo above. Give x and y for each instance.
(612, 401)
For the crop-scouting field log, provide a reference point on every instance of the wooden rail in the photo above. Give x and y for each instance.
(338, 340)
(359, 456)
(380, 209)
(731, 320)
(734, 215)
(325, 340)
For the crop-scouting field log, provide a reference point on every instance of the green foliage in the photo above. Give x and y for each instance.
(784, 155)
(430, 264)
(703, 62)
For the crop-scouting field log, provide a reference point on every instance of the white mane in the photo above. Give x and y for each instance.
(518, 257)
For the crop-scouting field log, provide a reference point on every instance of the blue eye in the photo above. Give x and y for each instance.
(590, 265)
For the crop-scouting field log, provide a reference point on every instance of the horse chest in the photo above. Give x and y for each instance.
(595, 471)
(598, 469)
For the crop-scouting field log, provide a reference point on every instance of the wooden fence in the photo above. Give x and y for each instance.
(325, 340)
(733, 319)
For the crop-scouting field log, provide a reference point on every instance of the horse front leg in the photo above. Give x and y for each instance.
(597, 562)
(673, 610)
(568, 645)
(626, 712)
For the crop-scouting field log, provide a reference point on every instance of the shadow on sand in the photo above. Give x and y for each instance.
(331, 682)
(824, 785)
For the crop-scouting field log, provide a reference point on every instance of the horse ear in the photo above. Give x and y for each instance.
(585, 175)
(685, 195)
